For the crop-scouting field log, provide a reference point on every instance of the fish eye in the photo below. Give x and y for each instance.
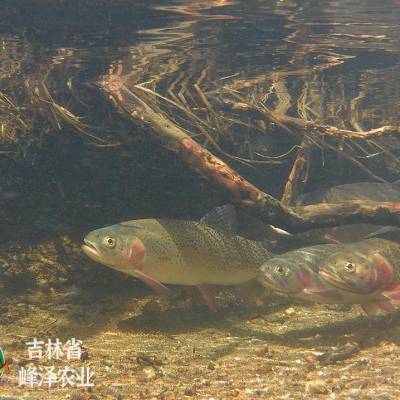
(280, 269)
(109, 242)
(349, 267)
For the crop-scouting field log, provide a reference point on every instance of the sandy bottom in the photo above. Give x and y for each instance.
(140, 346)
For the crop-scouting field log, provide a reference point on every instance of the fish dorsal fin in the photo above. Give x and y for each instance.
(223, 219)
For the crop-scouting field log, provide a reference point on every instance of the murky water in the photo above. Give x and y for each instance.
(227, 74)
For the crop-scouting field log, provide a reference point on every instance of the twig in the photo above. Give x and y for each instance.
(298, 175)
(239, 189)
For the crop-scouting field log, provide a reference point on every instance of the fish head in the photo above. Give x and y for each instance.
(362, 273)
(282, 276)
(116, 247)
(296, 274)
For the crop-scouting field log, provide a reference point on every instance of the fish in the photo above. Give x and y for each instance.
(4, 363)
(367, 191)
(361, 191)
(370, 268)
(180, 252)
(295, 274)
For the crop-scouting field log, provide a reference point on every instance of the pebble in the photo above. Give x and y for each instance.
(263, 350)
(256, 392)
(316, 387)
(76, 396)
(354, 393)
(211, 366)
(149, 373)
(190, 391)
(222, 383)
(311, 359)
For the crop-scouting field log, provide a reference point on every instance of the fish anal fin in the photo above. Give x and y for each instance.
(378, 308)
(223, 219)
(207, 296)
(154, 284)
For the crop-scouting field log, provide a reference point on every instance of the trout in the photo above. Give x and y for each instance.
(297, 274)
(369, 268)
(179, 252)
(361, 191)
(368, 191)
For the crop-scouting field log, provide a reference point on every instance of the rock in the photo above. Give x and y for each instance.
(354, 393)
(149, 373)
(211, 366)
(316, 387)
(256, 392)
(190, 391)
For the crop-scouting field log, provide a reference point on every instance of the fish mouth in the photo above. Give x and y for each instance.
(265, 280)
(91, 250)
(270, 283)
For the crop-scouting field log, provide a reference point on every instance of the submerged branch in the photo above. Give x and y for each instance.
(196, 157)
(356, 211)
(300, 128)
(242, 192)
(298, 176)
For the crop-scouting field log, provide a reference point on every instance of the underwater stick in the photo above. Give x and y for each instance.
(241, 191)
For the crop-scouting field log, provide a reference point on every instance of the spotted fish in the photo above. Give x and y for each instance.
(297, 274)
(168, 251)
(369, 268)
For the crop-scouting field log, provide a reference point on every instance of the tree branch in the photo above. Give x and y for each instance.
(242, 192)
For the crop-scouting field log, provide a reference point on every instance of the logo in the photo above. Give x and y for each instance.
(3, 363)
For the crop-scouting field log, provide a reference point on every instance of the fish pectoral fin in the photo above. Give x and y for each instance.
(393, 295)
(223, 219)
(207, 296)
(324, 293)
(154, 284)
(378, 308)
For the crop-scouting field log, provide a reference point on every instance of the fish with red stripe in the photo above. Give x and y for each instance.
(369, 268)
(166, 251)
(296, 274)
